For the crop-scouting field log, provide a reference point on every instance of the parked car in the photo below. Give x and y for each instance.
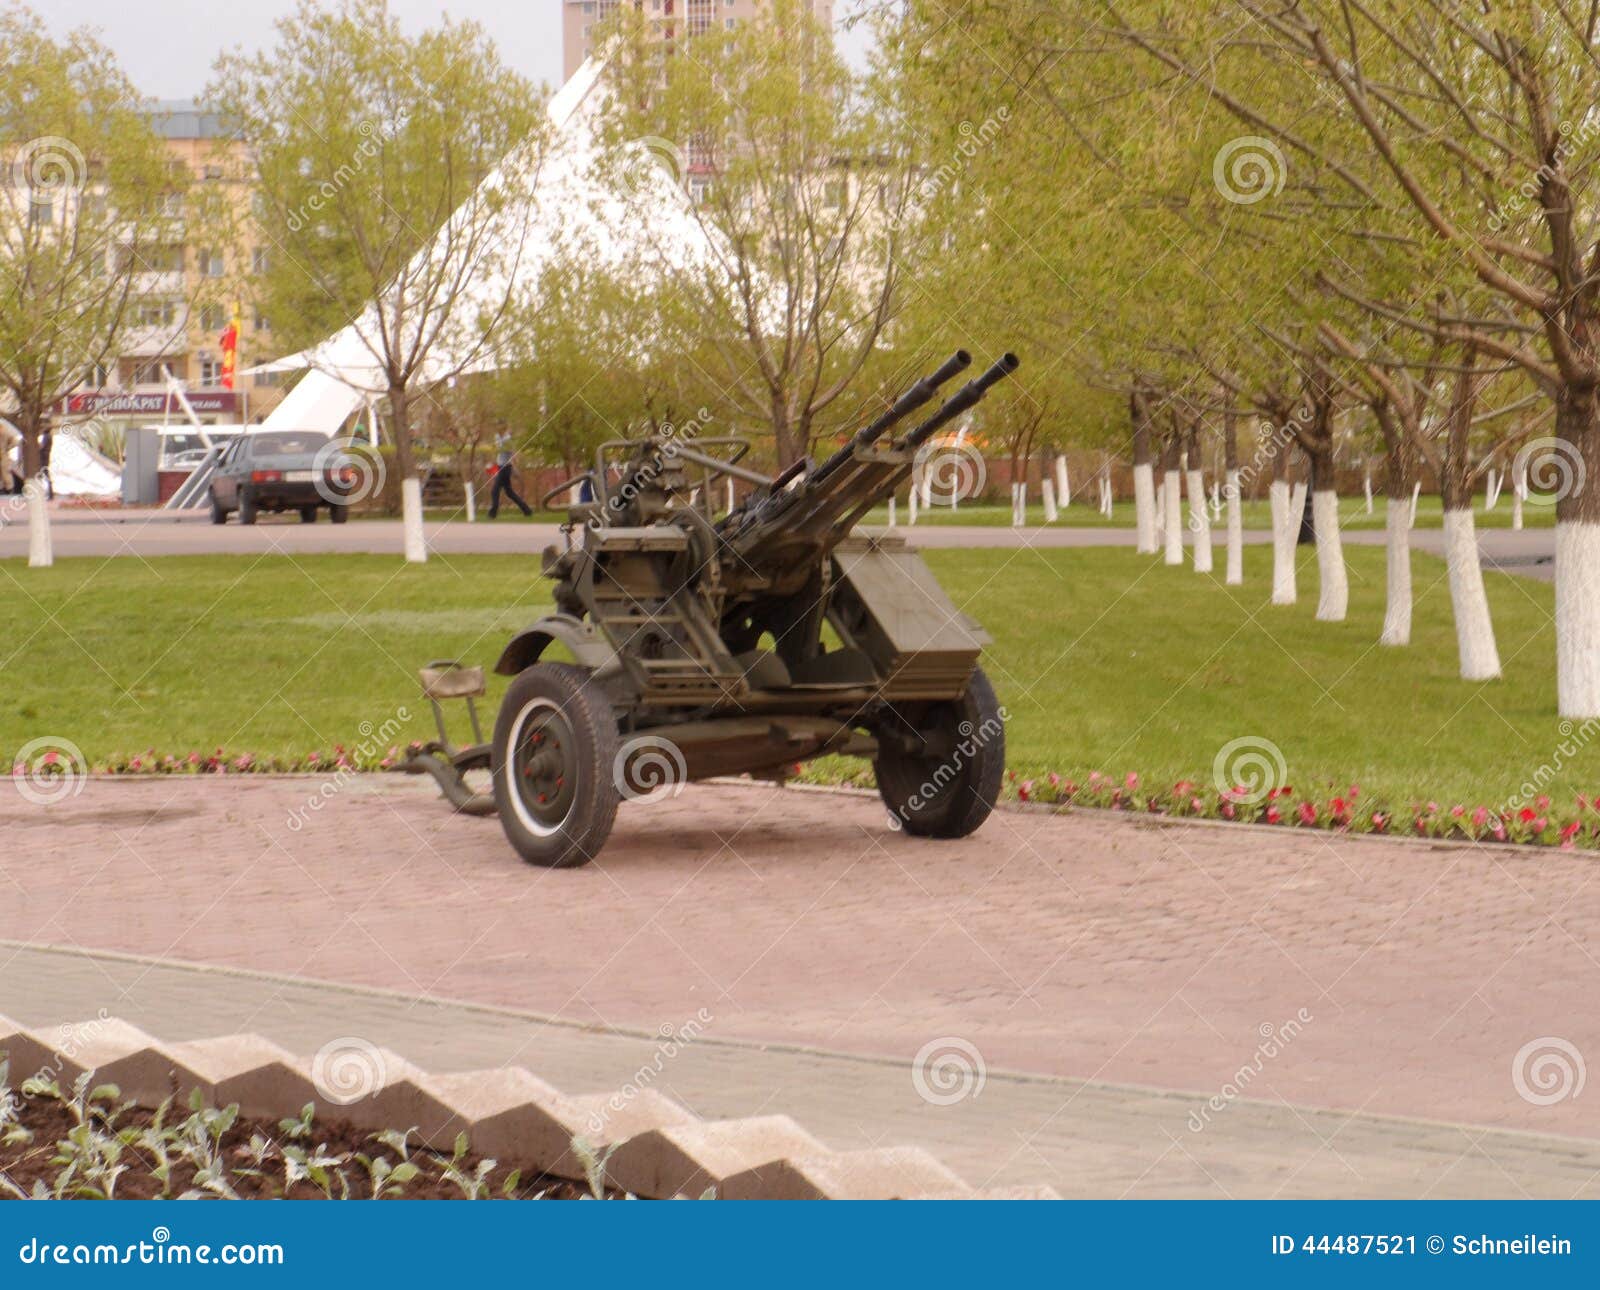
(282, 470)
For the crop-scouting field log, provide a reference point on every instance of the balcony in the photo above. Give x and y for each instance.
(169, 283)
(141, 341)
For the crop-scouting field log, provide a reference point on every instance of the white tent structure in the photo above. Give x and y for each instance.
(570, 206)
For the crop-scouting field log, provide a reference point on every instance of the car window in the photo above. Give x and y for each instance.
(288, 441)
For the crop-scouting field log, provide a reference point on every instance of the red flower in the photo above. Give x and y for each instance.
(1024, 789)
(1308, 813)
(1273, 816)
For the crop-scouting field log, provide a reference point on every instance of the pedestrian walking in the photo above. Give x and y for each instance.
(503, 487)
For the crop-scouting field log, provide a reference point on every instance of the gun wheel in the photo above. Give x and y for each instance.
(948, 790)
(554, 766)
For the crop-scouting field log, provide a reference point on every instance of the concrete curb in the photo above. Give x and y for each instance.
(648, 1144)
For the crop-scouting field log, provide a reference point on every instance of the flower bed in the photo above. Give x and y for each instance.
(1537, 822)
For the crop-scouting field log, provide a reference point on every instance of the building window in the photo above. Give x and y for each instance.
(41, 210)
(212, 172)
(213, 318)
(172, 204)
(210, 370)
(730, 23)
(259, 260)
(261, 322)
(211, 264)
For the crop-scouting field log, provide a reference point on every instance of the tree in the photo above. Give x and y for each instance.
(802, 184)
(395, 173)
(89, 198)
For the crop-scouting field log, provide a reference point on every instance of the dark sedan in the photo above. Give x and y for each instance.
(282, 470)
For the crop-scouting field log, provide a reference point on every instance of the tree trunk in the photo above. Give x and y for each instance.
(1399, 469)
(41, 550)
(416, 547)
(1230, 466)
(1577, 466)
(1475, 643)
(1333, 582)
(1283, 525)
(1144, 485)
(1172, 500)
(1063, 484)
(1199, 518)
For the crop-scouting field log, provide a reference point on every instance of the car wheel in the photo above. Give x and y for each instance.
(338, 514)
(247, 508)
(308, 515)
(219, 512)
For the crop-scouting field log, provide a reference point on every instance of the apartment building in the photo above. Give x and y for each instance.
(185, 293)
(670, 19)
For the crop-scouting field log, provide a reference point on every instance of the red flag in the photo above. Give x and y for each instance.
(229, 340)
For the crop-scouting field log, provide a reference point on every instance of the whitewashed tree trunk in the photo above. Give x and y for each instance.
(1172, 516)
(1491, 490)
(1333, 582)
(1063, 486)
(1519, 494)
(1199, 521)
(468, 493)
(1366, 491)
(411, 520)
(1416, 492)
(730, 494)
(1480, 659)
(911, 504)
(1144, 507)
(1578, 618)
(1047, 488)
(1107, 500)
(41, 553)
(1235, 573)
(1283, 588)
(893, 516)
(927, 490)
(1397, 604)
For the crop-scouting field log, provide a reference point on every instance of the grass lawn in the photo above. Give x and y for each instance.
(1104, 659)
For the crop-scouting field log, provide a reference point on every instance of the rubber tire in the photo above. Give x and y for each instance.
(308, 515)
(338, 514)
(247, 507)
(911, 786)
(219, 513)
(587, 710)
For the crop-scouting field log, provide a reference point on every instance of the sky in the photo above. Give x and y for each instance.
(167, 47)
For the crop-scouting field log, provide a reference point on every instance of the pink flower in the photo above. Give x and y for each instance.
(1228, 812)
(1542, 802)
(1479, 816)
(1458, 811)
(1274, 816)
(1054, 779)
(1024, 789)
(50, 758)
(1132, 781)
(1308, 813)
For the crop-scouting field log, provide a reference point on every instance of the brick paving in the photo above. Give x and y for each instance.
(1400, 979)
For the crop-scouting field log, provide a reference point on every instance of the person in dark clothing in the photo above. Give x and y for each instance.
(502, 479)
(46, 442)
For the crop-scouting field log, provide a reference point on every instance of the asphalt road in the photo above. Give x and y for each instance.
(146, 534)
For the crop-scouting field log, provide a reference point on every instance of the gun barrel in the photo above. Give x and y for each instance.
(967, 397)
(902, 407)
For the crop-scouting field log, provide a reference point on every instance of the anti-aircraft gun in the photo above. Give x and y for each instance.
(747, 643)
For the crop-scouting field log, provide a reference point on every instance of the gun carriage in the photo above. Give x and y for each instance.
(748, 643)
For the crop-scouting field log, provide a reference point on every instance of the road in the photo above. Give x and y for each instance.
(115, 532)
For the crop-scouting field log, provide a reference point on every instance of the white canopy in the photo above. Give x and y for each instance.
(570, 205)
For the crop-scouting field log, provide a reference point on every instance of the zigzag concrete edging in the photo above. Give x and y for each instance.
(653, 1147)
